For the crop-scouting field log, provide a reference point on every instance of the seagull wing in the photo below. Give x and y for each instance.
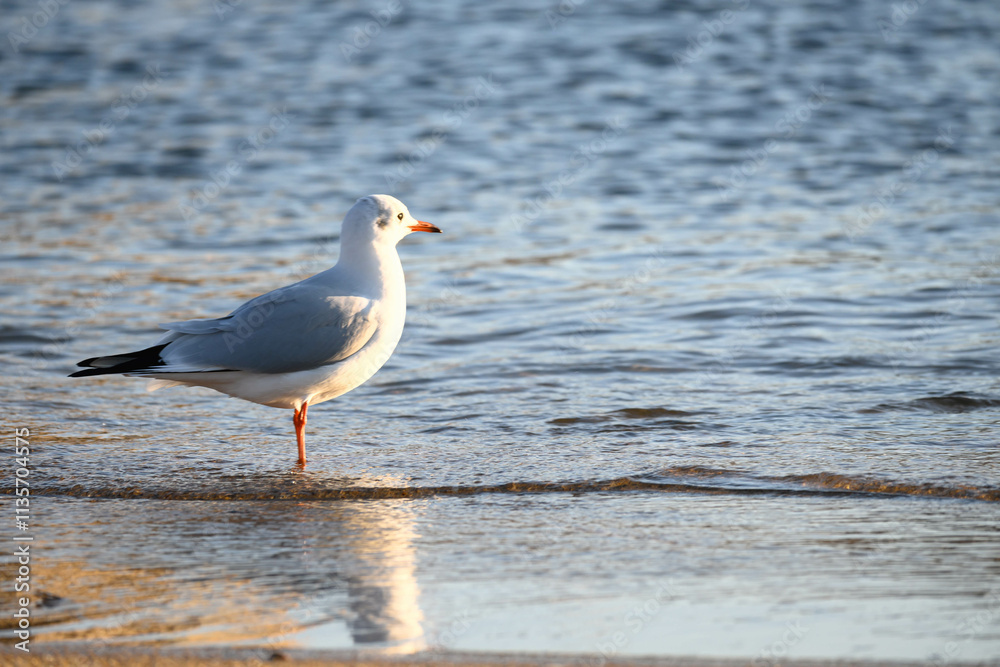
(291, 329)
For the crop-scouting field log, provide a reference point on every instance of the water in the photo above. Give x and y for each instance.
(704, 363)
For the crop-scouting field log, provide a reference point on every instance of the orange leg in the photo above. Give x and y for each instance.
(300, 431)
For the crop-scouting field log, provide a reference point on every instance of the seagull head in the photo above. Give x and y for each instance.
(382, 220)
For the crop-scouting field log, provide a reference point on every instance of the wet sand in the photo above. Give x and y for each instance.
(241, 658)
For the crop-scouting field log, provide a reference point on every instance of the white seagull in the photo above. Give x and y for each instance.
(301, 344)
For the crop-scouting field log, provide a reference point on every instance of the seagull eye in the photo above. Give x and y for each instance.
(400, 216)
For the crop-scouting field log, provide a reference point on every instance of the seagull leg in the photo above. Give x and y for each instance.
(300, 431)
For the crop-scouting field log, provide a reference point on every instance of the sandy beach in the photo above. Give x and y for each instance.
(242, 658)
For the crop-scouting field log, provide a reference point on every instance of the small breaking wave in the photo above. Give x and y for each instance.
(955, 402)
(690, 480)
(828, 482)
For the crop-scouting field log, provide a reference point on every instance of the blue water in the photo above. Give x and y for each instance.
(711, 331)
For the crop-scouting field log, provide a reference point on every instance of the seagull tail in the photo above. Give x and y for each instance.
(130, 362)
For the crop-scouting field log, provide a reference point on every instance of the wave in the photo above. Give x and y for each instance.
(954, 402)
(829, 482)
(626, 420)
(691, 480)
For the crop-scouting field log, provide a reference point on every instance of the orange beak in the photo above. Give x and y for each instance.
(422, 226)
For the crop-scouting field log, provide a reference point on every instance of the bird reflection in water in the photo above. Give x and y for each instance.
(315, 573)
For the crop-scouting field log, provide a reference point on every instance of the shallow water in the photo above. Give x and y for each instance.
(758, 405)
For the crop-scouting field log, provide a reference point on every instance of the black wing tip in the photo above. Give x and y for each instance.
(89, 365)
(89, 371)
(134, 361)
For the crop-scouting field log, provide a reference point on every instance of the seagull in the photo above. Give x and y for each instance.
(301, 344)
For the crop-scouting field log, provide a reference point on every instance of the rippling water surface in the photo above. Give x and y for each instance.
(704, 364)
